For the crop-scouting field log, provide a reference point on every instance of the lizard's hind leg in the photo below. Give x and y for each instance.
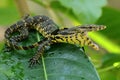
(11, 42)
(23, 35)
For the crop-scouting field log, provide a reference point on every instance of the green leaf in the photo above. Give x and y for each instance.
(87, 11)
(110, 75)
(60, 63)
(110, 59)
(66, 63)
(110, 68)
(111, 18)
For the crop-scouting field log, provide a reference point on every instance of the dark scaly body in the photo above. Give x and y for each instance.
(76, 38)
(83, 29)
(78, 35)
(41, 23)
(74, 35)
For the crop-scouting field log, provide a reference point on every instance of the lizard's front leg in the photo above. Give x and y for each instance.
(35, 59)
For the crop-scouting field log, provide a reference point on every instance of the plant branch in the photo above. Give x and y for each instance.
(22, 7)
(47, 6)
(40, 3)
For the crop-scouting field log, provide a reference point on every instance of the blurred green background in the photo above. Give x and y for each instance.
(67, 13)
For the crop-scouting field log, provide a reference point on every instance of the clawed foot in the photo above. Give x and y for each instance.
(33, 61)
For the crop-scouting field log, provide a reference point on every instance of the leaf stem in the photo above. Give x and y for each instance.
(43, 63)
(108, 68)
(44, 68)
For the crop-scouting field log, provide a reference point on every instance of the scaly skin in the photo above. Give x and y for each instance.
(76, 38)
(75, 35)
(41, 23)
(81, 29)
